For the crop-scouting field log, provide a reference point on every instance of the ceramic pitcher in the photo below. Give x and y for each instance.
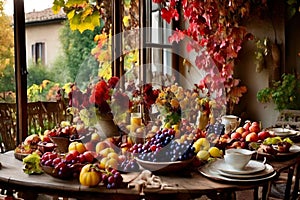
(231, 122)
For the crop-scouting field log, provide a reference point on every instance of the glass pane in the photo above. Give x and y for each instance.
(7, 78)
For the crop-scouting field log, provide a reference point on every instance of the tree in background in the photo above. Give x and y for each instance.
(36, 74)
(77, 51)
(7, 80)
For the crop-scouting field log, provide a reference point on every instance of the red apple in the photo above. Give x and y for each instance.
(236, 144)
(245, 133)
(254, 127)
(252, 137)
(102, 145)
(89, 157)
(243, 145)
(81, 158)
(90, 146)
(247, 125)
(74, 152)
(111, 141)
(46, 137)
(240, 130)
(95, 137)
(255, 123)
(263, 135)
(235, 135)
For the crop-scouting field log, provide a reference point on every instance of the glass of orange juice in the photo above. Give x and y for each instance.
(135, 121)
(136, 128)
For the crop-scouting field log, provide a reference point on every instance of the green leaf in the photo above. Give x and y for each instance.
(95, 18)
(71, 3)
(57, 5)
(86, 12)
(291, 2)
(75, 22)
(71, 14)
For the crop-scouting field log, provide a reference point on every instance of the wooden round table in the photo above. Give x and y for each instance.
(191, 185)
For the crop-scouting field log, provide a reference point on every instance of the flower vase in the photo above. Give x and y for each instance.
(107, 128)
(202, 120)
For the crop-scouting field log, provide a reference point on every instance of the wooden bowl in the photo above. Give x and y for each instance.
(46, 147)
(54, 173)
(164, 167)
(20, 156)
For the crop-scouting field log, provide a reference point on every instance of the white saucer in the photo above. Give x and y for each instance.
(283, 132)
(210, 170)
(252, 167)
(267, 171)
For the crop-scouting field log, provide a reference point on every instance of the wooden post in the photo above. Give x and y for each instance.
(117, 63)
(142, 50)
(20, 70)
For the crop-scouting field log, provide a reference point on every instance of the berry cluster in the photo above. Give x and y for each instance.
(68, 166)
(111, 178)
(129, 165)
(162, 148)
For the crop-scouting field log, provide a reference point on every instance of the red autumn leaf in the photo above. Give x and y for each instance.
(169, 14)
(177, 36)
(158, 1)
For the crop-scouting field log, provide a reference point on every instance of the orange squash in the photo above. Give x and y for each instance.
(89, 176)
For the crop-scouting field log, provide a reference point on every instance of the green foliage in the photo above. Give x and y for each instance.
(59, 72)
(7, 84)
(7, 79)
(76, 49)
(36, 74)
(80, 13)
(292, 7)
(88, 71)
(285, 93)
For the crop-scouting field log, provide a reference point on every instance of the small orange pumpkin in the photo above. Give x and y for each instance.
(89, 176)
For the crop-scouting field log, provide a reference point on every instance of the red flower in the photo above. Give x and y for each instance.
(100, 93)
(122, 100)
(112, 82)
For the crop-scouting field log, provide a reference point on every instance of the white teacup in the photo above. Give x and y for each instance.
(231, 122)
(237, 158)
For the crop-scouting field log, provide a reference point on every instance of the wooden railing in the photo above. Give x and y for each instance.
(41, 116)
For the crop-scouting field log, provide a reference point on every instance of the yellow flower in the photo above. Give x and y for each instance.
(174, 103)
(184, 103)
(174, 88)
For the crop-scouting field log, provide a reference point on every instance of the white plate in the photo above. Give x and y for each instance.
(283, 132)
(268, 170)
(209, 170)
(252, 167)
(294, 149)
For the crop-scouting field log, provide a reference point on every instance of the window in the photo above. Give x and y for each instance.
(158, 49)
(38, 53)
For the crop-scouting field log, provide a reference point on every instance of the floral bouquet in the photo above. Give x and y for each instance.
(95, 103)
(169, 107)
(144, 98)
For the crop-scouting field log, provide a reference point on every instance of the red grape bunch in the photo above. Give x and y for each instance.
(112, 178)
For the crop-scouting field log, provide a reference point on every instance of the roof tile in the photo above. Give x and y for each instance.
(43, 15)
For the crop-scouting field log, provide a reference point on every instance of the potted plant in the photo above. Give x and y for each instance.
(284, 93)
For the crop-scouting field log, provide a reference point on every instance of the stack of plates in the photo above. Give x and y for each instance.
(283, 132)
(254, 171)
